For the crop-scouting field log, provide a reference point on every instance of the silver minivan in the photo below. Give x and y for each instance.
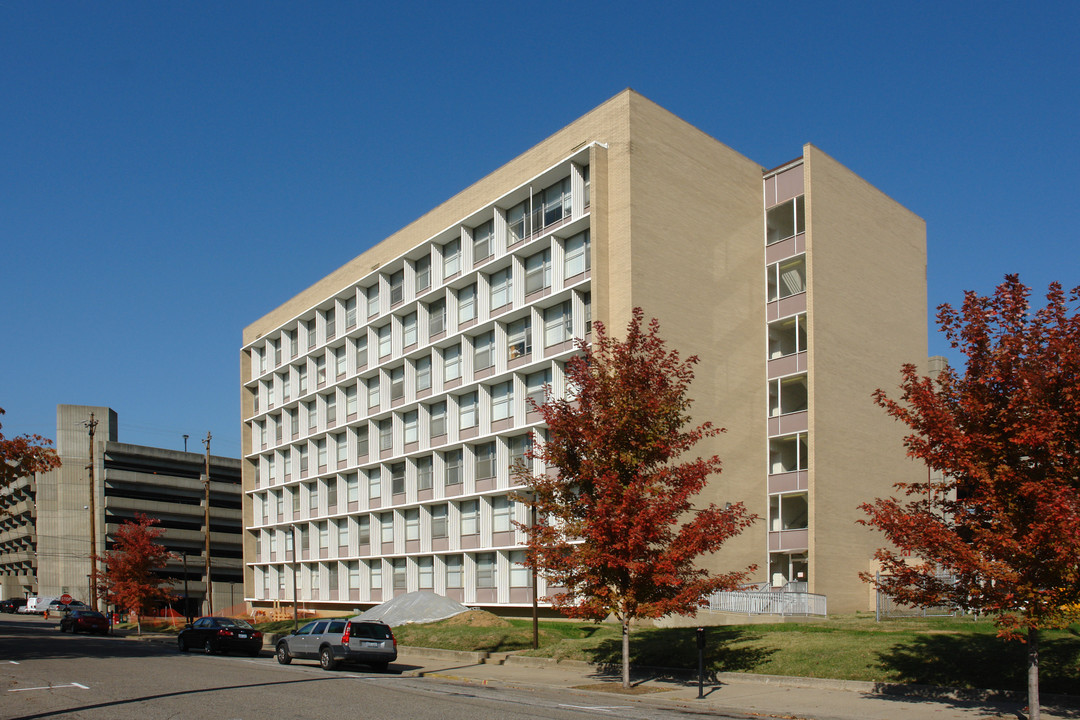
(335, 641)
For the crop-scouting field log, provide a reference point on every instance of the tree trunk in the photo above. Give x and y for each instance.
(1033, 674)
(626, 652)
(138, 624)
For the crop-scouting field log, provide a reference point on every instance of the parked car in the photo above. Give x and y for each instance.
(55, 607)
(12, 605)
(220, 634)
(84, 619)
(334, 641)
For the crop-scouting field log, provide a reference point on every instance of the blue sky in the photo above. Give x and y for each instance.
(170, 172)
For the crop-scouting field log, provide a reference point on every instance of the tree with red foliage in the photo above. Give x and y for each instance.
(1000, 533)
(130, 581)
(619, 530)
(24, 455)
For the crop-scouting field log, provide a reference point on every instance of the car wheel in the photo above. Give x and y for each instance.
(326, 659)
(182, 644)
(208, 648)
(283, 655)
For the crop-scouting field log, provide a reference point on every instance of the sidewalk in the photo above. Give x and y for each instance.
(731, 694)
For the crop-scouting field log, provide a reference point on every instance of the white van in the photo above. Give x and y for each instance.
(36, 604)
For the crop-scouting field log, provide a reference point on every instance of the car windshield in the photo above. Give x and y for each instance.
(230, 622)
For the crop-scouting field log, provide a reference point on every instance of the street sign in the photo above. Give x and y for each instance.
(65, 599)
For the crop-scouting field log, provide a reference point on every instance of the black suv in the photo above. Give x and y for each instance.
(12, 605)
(334, 641)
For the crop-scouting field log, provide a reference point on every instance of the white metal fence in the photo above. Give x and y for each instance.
(768, 602)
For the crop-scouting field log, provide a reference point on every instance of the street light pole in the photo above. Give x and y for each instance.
(295, 614)
(92, 424)
(206, 484)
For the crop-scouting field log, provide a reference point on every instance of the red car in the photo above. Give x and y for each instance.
(84, 620)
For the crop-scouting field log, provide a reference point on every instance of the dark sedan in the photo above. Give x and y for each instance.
(220, 634)
(84, 621)
(12, 605)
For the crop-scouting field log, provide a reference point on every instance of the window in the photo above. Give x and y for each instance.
(303, 459)
(502, 400)
(375, 574)
(451, 253)
(538, 272)
(386, 525)
(425, 573)
(520, 575)
(311, 333)
(467, 408)
(354, 574)
(519, 449)
(452, 363)
(286, 386)
(374, 484)
(397, 383)
(352, 488)
(787, 395)
(500, 288)
(386, 434)
(558, 324)
(331, 407)
(485, 350)
(517, 222)
(423, 373)
(295, 501)
(788, 512)
(453, 467)
(373, 300)
(785, 220)
(301, 376)
(470, 517)
(786, 278)
(384, 340)
(557, 202)
(422, 267)
(578, 258)
(341, 443)
(411, 422)
(397, 287)
(436, 317)
(787, 337)
(373, 392)
(485, 460)
(789, 453)
(361, 352)
(519, 338)
(438, 419)
(330, 321)
(324, 534)
(485, 570)
(397, 479)
(350, 312)
(438, 521)
(467, 303)
(454, 575)
(320, 447)
(534, 386)
(502, 511)
(586, 301)
(424, 473)
(482, 241)
(362, 441)
(408, 330)
(412, 524)
(350, 400)
(363, 530)
(313, 498)
(320, 370)
(294, 342)
(315, 584)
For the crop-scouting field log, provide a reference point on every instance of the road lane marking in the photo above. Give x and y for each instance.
(50, 687)
(601, 708)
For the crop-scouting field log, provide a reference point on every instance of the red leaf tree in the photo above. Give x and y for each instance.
(1000, 534)
(24, 455)
(618, 529)
(130, 581)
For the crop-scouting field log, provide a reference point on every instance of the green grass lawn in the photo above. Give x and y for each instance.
(958, 652)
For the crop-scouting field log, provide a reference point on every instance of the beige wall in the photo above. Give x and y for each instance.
(866, 258)
(696, 253)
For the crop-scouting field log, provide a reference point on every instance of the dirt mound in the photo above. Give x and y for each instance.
(477, 618)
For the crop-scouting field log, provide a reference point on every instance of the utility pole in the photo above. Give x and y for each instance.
(91, 424)
(206, 485)
(295, 614)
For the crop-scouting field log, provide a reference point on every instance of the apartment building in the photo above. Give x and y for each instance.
(46, 547)
(383, 406)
